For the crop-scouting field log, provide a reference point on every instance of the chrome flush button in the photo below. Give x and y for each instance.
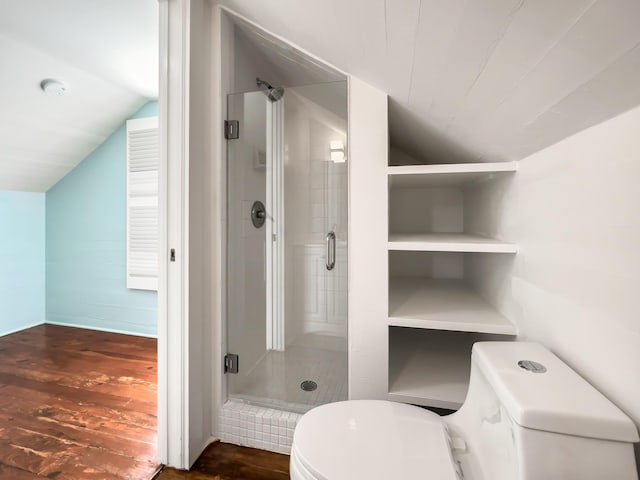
(531, 366)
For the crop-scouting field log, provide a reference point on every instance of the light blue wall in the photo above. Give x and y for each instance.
(86, 245)
(22, 277)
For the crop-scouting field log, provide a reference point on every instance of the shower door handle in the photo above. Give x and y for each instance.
(331, 250)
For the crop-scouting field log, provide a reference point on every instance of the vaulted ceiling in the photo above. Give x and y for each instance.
(474, 80)
(107, 55)
(468, 80)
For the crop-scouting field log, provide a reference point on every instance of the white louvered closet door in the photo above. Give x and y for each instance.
(143, 163)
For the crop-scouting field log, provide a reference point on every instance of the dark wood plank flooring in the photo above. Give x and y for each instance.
(223, 461)
(77, 404)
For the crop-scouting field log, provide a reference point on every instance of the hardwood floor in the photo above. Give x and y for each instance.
(223, 461)
(77, 404)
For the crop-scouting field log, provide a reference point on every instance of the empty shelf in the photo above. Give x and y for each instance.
(448, 242)
(446, 175)
(431, 370)
(443, 305)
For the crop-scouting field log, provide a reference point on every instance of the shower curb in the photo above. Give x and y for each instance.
(259, 427)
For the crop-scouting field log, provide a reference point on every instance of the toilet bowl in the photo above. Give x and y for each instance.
(527, 416)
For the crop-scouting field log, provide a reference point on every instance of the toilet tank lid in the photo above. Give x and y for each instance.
(555, 400)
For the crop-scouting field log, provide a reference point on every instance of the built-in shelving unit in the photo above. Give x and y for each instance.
(435, 315)
(448, 242)
(443, 304)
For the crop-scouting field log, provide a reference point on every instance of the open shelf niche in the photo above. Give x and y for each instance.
(426, 207)
(443, 304)
(431, 368)
(435, 314)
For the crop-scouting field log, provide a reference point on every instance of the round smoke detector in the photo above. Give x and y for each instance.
(53, 87)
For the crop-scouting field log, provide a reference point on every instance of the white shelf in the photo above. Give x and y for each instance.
(448, 242)
(431, 370)
(443, 305)
(446, 175)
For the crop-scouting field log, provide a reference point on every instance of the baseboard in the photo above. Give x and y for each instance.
(16, 330)
(99, 329)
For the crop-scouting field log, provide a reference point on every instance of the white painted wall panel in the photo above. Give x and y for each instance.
(203, 297)
(479, 29)
(368, 264)
(584, 52)
(590, 104)
(534, 30)
(401, 32)
(573, 210)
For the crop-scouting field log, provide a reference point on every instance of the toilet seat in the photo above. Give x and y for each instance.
(371, 439)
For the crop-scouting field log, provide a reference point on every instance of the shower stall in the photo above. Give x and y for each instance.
(286, 270)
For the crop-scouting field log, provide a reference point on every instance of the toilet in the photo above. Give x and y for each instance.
(527, 416)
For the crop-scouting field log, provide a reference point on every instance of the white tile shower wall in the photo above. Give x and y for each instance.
(258, 427)
(316, 199)
(322, 303)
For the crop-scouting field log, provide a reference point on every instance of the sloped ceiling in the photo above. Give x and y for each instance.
(474, 80)
(105, 52)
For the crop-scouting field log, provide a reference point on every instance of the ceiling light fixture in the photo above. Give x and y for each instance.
(53, 87)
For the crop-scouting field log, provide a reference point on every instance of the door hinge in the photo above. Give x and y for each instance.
(231, 129)
(231, 363)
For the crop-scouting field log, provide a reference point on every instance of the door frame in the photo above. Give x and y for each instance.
(189, 360)
(173, 287)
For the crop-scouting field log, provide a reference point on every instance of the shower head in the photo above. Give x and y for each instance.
(273, 93)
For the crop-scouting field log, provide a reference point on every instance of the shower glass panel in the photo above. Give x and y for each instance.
(287, 246)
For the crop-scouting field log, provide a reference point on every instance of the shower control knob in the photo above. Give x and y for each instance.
(258, 214)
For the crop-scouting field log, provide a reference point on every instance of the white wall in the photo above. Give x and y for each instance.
(242, 62)
(249, 63)
(420, 210)
(203, 234)
(573, 209)
(368, 233)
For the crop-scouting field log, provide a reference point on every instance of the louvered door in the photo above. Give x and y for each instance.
(142, 203)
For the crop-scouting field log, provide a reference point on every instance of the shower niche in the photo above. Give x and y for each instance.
(438, 247)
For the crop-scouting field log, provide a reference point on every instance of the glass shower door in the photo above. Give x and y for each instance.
(316, 181)
(287, 273)
(246, 235)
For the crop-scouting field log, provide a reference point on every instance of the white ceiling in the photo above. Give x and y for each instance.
(468, 80)
(107, 54)
(473, 80)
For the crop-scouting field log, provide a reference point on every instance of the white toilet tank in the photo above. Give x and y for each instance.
(528, 416)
